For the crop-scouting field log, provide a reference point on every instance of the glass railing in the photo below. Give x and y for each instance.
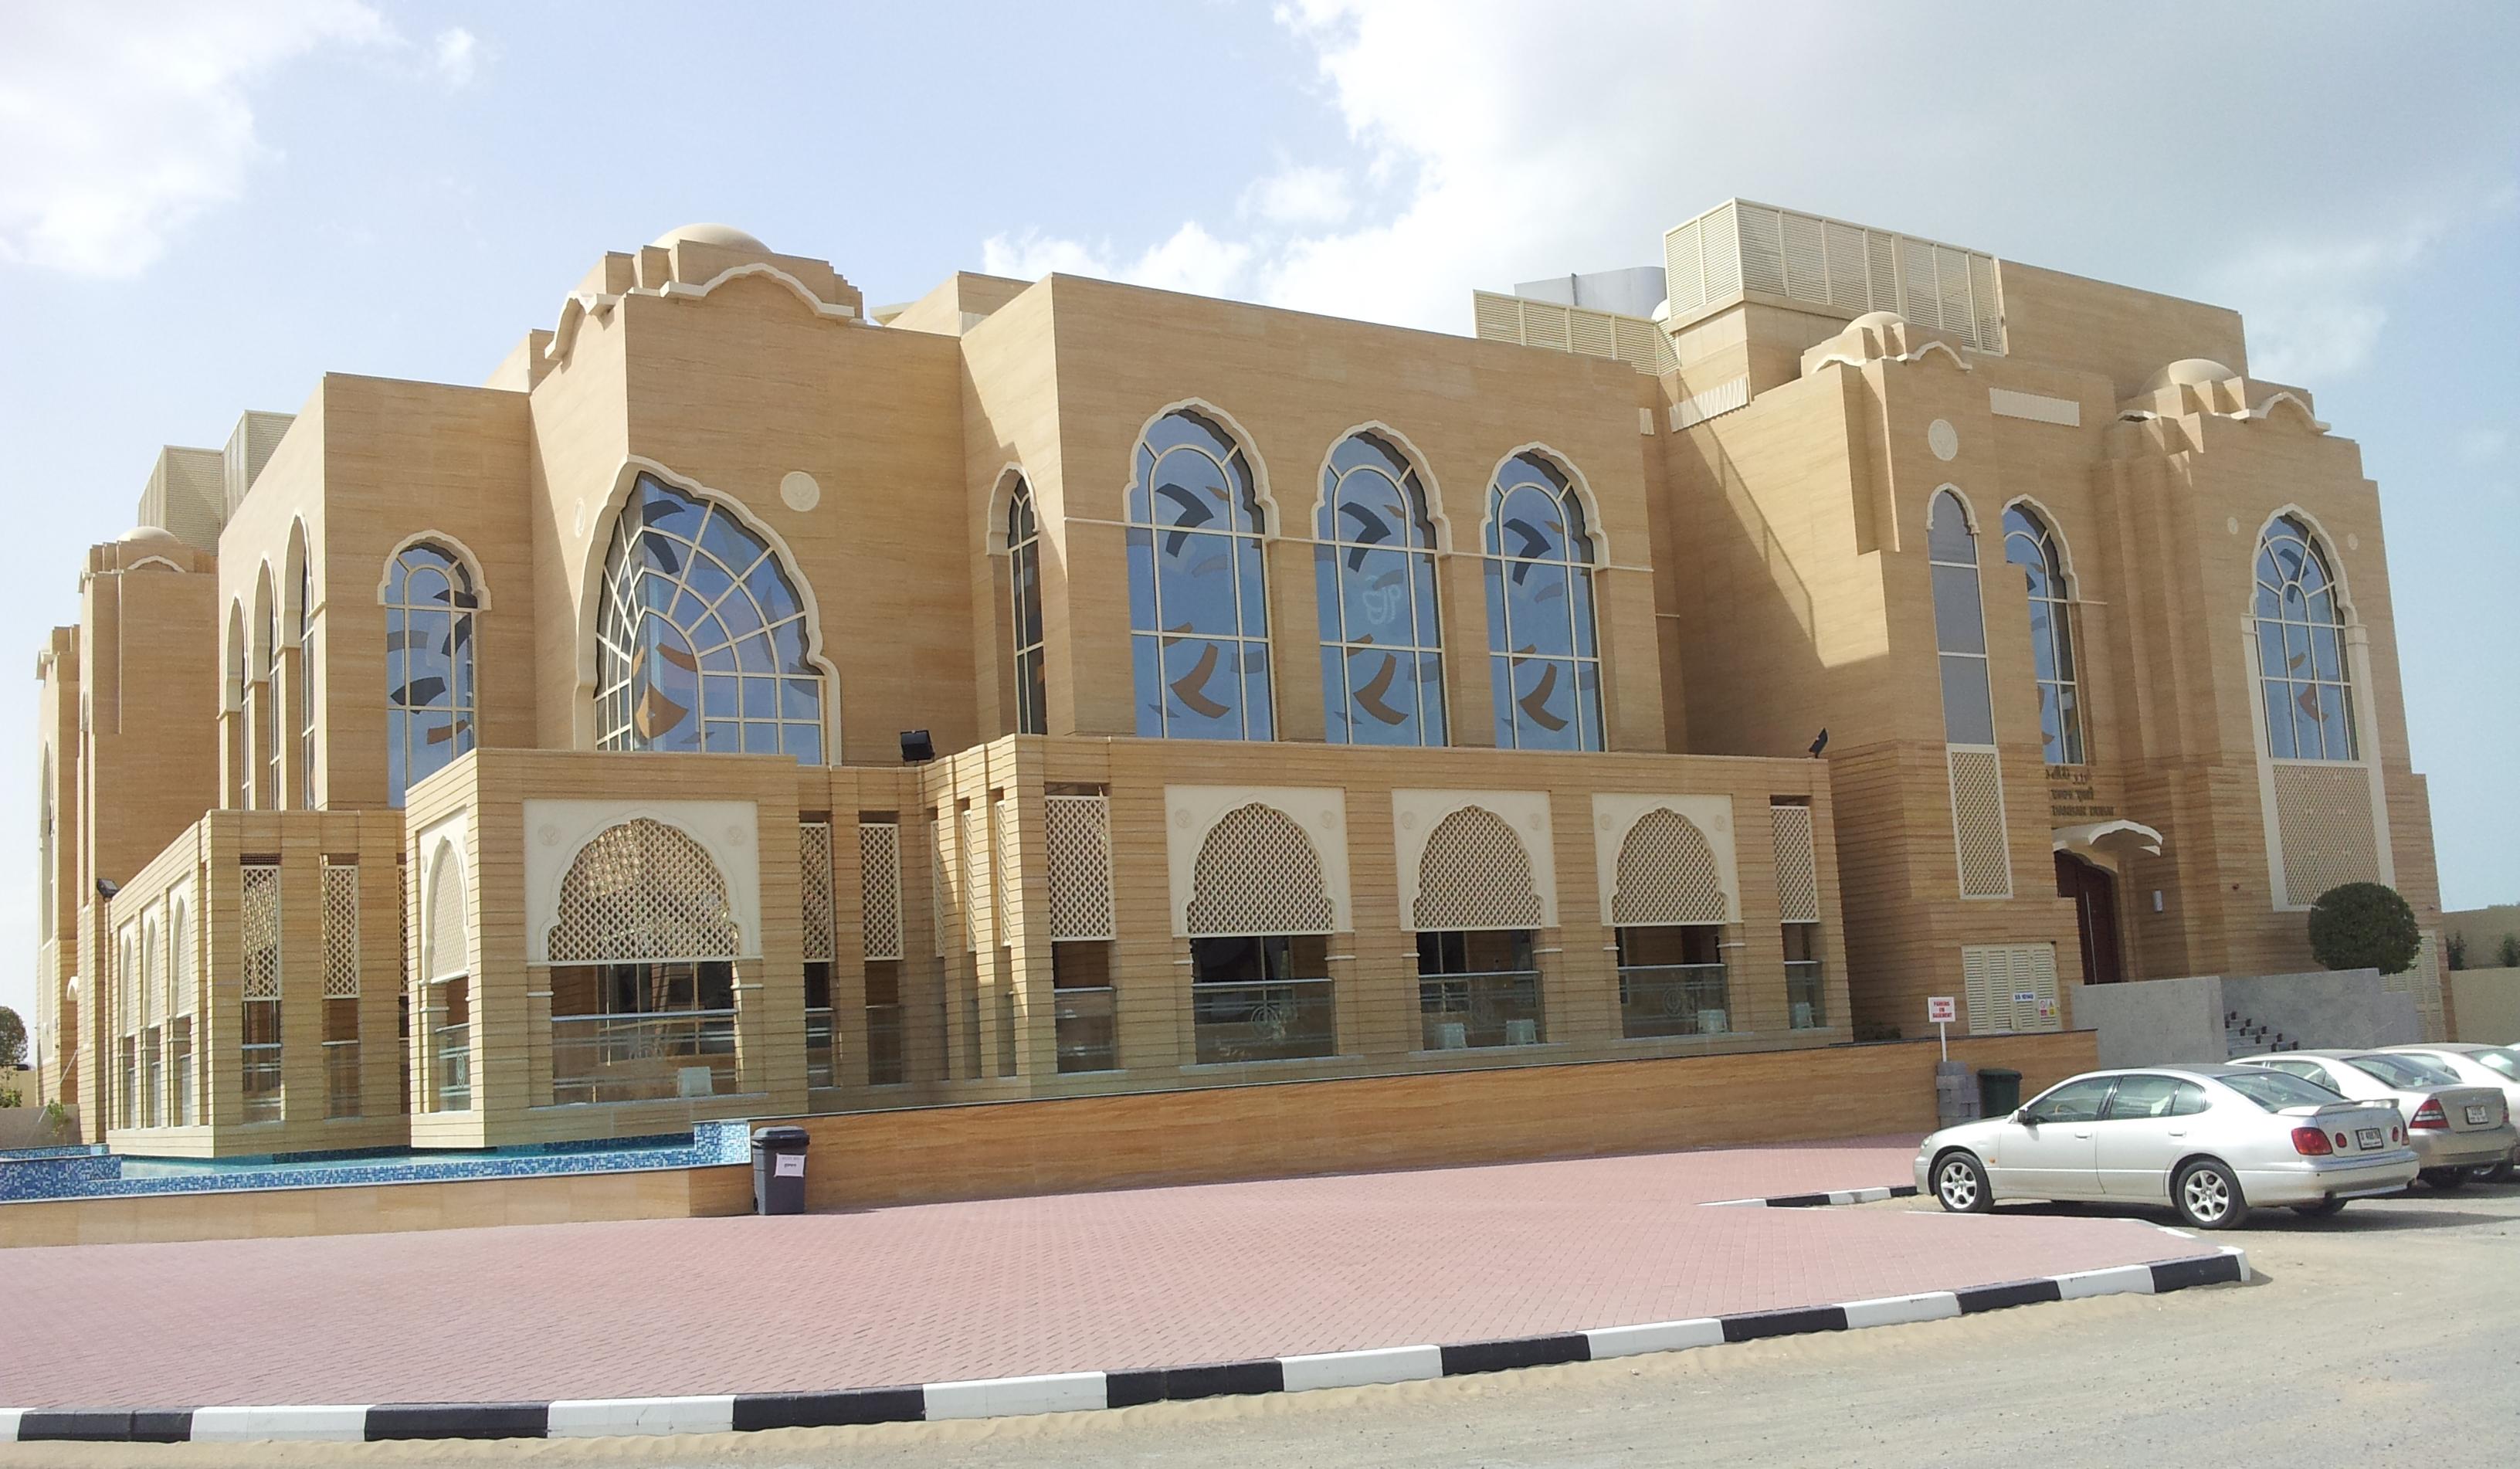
(340, 1078)
(262, 1067)
(455, 1068)
(1458, 1011)
(1803, 1002)
(1280, 1020)
(1087, 1033)
(617, 1058)
(1674, 999)
(817, 1049)
(883, 1045)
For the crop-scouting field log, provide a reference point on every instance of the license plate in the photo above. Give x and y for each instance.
(2367, 1139)
(2477, 1116)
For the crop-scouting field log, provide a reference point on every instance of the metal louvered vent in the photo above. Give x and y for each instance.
(1741, 248)
(1638, 342)
(2011, 988)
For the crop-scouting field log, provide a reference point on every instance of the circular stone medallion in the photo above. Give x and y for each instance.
(800, 491)
(1942, 439)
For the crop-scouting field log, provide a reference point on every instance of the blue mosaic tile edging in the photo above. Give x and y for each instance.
(95, 1174)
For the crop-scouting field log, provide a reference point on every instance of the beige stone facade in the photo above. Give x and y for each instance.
(534, 762)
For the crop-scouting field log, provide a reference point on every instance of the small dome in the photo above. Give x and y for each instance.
(2190, 372)
(1662, 309)
(725, 235)
(1876, 320)
(152, 536)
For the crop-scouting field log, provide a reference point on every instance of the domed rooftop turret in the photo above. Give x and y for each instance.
(150, 537)
(723, 235)
(2190, 372)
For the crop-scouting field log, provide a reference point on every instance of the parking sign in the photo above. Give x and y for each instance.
(1942, 1009)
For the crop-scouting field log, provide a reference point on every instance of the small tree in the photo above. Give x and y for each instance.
(2508, 956)
(13, 1039)
(2456, 950)
(2363, 925)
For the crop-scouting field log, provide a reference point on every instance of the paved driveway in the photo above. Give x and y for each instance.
(1136, 1279)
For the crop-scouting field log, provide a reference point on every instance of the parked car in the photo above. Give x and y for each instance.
(2453, 1127)
(2497, 1066)
(2210, 1142)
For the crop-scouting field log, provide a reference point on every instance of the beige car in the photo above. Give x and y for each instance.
(2497, 1066)
(2453, 1127)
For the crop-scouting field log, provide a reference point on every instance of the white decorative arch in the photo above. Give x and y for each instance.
(589, 587)
(1969, 507)
(258, 631)
(1001, 496)
(1273, 525)
(726, 833)
(235, 659)
(447, 947)
(146, 561)
(296, 568)
(1582, 489)
(1417, 816)
(1616, 817)
(1417, 462)
(453, 546)
(2055, 533)
(2281, 400)
(2329, 544)
(600, 305)
(1194, 813)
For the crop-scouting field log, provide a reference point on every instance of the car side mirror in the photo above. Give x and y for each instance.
(2024, 1117)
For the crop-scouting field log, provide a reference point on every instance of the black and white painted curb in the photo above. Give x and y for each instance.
(1820, 1200)
(1067, 1392)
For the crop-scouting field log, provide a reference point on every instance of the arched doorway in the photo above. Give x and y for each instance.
(2095, 891)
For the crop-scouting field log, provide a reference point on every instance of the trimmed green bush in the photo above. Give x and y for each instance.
(2363, 925)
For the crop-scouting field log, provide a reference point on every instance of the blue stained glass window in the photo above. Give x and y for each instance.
(430, 603)
(1545, 669)
(701, 642)
(1023, 586)
(1199, 597)
(2031, 545)
(1373, 564)
(2302, 671)
(1959, 622)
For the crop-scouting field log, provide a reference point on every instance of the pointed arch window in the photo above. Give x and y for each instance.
(307, 666)
(1959, 623)
(1199, 598)
(701, 637)
(2301, 668)
(1023, 576)
(1373, 562)
(2032, 544)
(1545, 662)
(275, 742)
(430, 603)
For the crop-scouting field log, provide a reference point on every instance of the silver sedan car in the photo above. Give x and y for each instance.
(2452, 1125)
(2496, 1066)
(2210, 1142)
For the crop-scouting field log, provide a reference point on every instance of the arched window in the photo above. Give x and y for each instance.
(702, 641)
(1959, 623)
(2029, 544)
(1544, 661)
(1198, 598)
(1023, 575)
(2301, 647)
(241, 702)
(275, 742)
(430, 606)
(1373, 564)
(306, 665)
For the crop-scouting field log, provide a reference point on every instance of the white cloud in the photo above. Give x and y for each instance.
(126, 121)
(1300, 195)
(1192, 260)
(456, 56)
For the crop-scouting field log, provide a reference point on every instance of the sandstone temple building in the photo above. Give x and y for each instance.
(748, 702)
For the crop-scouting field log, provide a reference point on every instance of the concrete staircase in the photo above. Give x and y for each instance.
(2244, 1036)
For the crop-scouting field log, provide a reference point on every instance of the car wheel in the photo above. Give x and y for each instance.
(2445, 1179)
(2321, 1210)
(1960, 1185)
(2208, 1196)
(2491, 1173)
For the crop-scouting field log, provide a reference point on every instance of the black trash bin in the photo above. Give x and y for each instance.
(779, 1170)
(1998, 1090)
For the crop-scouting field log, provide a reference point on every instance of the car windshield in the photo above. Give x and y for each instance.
(2275, 1090)
(2407, 1071)
(2505, 1060)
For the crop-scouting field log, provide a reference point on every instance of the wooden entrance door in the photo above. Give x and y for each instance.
(2095, 910)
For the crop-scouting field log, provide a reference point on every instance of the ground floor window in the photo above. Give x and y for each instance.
(450, 1033)
(1478, 990)
(342, 1056)
(127, 1109)
(179, 1065)
(262, 1059)
(884, 1023)
(1672, 981)
(642, 1032)
(1803, 996)
(1082, 1001)
(1006, 1012)
(152, 1077)
(1261, 997)
(819, 1048)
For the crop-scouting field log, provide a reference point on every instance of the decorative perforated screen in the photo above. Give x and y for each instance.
(1797, 869)
(258, 928)
(340, 929)
(880, 889)
(1077, 830)
(642, 891)
(449, 952)
(1667, 874)
(1257, 872)
(2323, 819)
(814, 887)
(1475, 874)
(1977, 823)
(970, 863)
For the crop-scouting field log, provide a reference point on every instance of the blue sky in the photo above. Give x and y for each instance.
(201, 208)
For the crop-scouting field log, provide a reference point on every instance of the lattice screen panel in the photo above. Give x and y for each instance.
(258, 928)
(340, 930)
(1797, 869)
(2323, 819)
(449, 949)
(936, 884)
(967, 860)
(1077, 831)
(1667, 874)
(1001, 884)
(1997, 976)
(880, 889)
(642, 891)
(1977, 821)
(1257, 872)
(1476, 873)
(814, 888)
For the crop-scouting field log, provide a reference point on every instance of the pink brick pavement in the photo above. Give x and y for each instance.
(1141, 1278)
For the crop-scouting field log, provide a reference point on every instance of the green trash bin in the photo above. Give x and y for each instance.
(1998, 1091)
